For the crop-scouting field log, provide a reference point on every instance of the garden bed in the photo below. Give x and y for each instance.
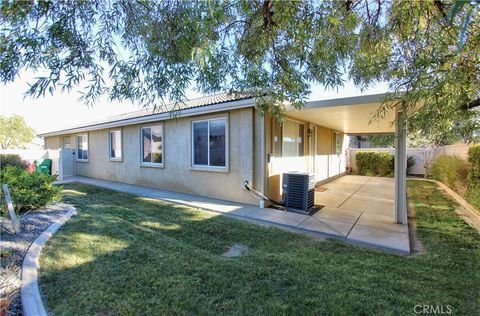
(15, 246)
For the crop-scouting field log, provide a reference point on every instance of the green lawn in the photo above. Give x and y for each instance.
(124, 254)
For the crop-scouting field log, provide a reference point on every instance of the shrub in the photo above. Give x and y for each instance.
(29, 190)
(373, 163)
(377, 163)
(452, 171)
(11, 160)
(410, 163)
(473, 182)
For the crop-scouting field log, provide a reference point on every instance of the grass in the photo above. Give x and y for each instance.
(123, 254)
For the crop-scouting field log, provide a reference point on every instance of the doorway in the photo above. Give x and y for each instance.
(66, 168)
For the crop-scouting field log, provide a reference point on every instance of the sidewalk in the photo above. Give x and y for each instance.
(350, 226)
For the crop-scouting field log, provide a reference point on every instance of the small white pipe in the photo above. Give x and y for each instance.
(262, 204)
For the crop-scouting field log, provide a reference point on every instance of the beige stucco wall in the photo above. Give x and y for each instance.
(177, 173)
(326, 165)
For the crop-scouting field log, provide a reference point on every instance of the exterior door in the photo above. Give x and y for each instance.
(288, 154)
(66, 163)
(336, 159)
(312, 149)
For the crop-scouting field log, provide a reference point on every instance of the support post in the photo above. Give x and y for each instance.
(401, 167)
(11, 211)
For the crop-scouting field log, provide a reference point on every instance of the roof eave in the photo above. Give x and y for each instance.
(226, 106)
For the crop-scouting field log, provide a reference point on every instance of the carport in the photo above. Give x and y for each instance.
(353, 116)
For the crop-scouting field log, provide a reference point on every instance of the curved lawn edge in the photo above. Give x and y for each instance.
(32, 303)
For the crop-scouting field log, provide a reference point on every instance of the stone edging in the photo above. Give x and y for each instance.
(32, 303)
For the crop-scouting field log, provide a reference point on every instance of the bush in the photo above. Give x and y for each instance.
(452, 171)
(29, 190)
(372, 163)
(473, 182)
(11, 160)
(410, 163)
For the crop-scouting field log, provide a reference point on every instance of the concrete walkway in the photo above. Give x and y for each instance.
(357, 209)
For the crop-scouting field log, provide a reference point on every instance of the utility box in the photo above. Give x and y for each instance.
(43, 166)
(299, 191)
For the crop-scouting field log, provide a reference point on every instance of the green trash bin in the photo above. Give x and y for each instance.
(43, 166)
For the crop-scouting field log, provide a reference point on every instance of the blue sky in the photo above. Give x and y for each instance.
(62, 110)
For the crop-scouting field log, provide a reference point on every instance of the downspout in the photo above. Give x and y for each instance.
(263, 165)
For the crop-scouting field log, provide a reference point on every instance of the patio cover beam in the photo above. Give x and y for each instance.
(401, 167)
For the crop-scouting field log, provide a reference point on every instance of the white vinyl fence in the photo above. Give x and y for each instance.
(423, 156)
(35, 154)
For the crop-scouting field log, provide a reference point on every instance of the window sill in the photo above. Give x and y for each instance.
(210, 169)
(82, 160)
(115, 160)
(151, 165)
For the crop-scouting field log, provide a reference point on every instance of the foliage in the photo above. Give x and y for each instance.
(153, 51)
(118, 241)
(14, 132)
(11, 160)
(447, 136)
(375, 163)
(452, 171)
(414, 140)
(29, 190)
(473, 192)
(448, 126)
(410, 163)
(382, 141)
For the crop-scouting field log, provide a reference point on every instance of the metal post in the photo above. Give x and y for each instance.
(401, 167)
(11, 211)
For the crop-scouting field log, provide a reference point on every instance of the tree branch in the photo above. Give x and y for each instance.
(470, 105)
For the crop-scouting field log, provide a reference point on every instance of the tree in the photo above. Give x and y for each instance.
(14, 132)
(151, 52)
(415, 140)
(383, 141)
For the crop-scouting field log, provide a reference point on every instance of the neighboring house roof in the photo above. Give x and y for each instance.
(207, 104)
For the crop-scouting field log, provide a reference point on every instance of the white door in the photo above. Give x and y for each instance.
(312, 149)
(66, 163)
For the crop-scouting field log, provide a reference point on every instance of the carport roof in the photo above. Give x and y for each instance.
(351, 115)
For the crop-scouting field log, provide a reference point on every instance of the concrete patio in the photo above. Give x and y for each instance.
(360, 209)
(356, 209)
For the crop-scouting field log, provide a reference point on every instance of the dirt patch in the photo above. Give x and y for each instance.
(235, 250)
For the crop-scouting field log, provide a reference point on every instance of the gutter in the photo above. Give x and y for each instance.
(206, 109)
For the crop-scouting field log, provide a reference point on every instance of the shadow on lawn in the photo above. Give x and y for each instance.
(129, 255)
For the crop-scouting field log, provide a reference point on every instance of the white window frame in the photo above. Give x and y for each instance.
(302, 136)
(337, 136)
(227, 146)
(110, 145)
(69, 142)
(152, 164)
(88, 147)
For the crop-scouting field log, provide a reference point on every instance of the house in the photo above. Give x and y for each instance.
(218, 142)
(360, 141)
